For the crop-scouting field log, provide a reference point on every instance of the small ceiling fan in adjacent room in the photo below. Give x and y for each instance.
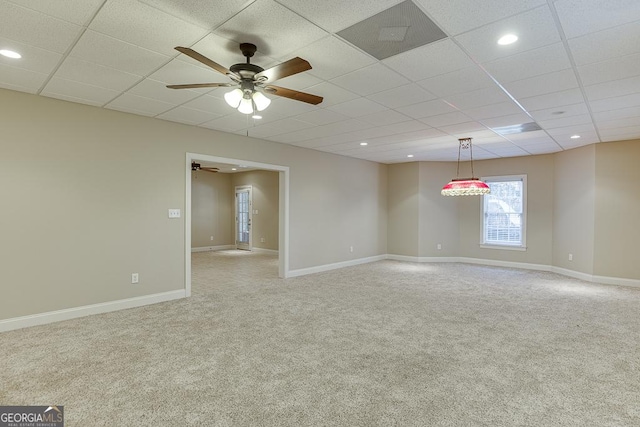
(197, 167)
(251, 81)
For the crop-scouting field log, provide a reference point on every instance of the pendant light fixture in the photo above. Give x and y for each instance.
(465, 186)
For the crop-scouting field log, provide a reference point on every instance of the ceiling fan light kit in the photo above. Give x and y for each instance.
(250, 80)
(465, 186)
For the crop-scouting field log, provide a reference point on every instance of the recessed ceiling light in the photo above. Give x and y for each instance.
(575, 136)
(364, 143)
(409, 155)
(557, 113)
(257, 117)
(507, 39)
(234, 169)
(10, 54)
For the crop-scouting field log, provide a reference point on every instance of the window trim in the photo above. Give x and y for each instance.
(503, 178)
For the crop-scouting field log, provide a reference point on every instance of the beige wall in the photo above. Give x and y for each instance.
(85, 193)
(438, 215)
(617, 209)
(211, 209)
(264, 193)
(404, 209)
(573, 209)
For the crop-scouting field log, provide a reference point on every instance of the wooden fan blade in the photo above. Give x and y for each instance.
(196, 85)
(294, 94)
(214, 170)
(287, 68)
(204, 60)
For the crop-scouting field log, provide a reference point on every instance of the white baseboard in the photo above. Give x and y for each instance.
(507, 264)
(407, 258)
(213, 248)
(87, 310)
(334, 266)
(265, 251)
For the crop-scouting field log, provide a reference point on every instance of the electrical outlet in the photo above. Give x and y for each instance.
(262, 240)
(174, 213)
(570, 257)
(135, 278)
(350, 248)
(439, 246)
(211, 238)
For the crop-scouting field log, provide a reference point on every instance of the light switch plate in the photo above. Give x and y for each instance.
(174, 213)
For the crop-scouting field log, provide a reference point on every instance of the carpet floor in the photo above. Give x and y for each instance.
(381, 344)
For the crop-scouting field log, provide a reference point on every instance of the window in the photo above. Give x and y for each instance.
(504, 212)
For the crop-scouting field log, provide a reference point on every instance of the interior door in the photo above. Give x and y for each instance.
(243, 218)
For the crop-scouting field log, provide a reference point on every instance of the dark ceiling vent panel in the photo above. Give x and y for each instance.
(398, 29)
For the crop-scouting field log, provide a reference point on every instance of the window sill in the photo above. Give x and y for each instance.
(505, 247)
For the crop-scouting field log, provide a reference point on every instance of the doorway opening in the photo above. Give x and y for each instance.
(283, 209)
(244, 211)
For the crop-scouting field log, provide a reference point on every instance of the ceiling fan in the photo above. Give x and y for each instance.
(252, 81)
(197, 167)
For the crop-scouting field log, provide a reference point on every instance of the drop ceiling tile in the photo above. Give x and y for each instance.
(157, 90)
(528, 64)
(202, 13)
(607, 44)
(550, 100)
(139, 105)
(613, 69)
(96, 75)
(230, 123)
(543, 84)
(613, 88)
(446, 119)
(331, 57)
(460, 81)
(618, 123)
(387, 130)
(182, 72)
(75, 11)
(263, 24)
(33, 58)
(426, 109)
(212, 105)
(104, 50)
(456, 17)
(622, 113)
(464, 128)
(543, 148)
(629, 132)
(579, 17)
(622, 137)
(278, 127)
(300, 81)
(529, 137)
(493, 111)
(371, 79)
(334, 15)
(385, 117)
(508, 152)
(75, 91)
(615, 103)
(321, 116)
(402, 96)
(477, 98)
(535, 28)
(573, 130)
(145, 26)
(331, 93)
(511, 120)
(566, 142)
(358, 107)
(580, 119)
(567, 111)
(35, 28)
(188, 116)
(20, 79)
(283, 107)
(431, 60)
